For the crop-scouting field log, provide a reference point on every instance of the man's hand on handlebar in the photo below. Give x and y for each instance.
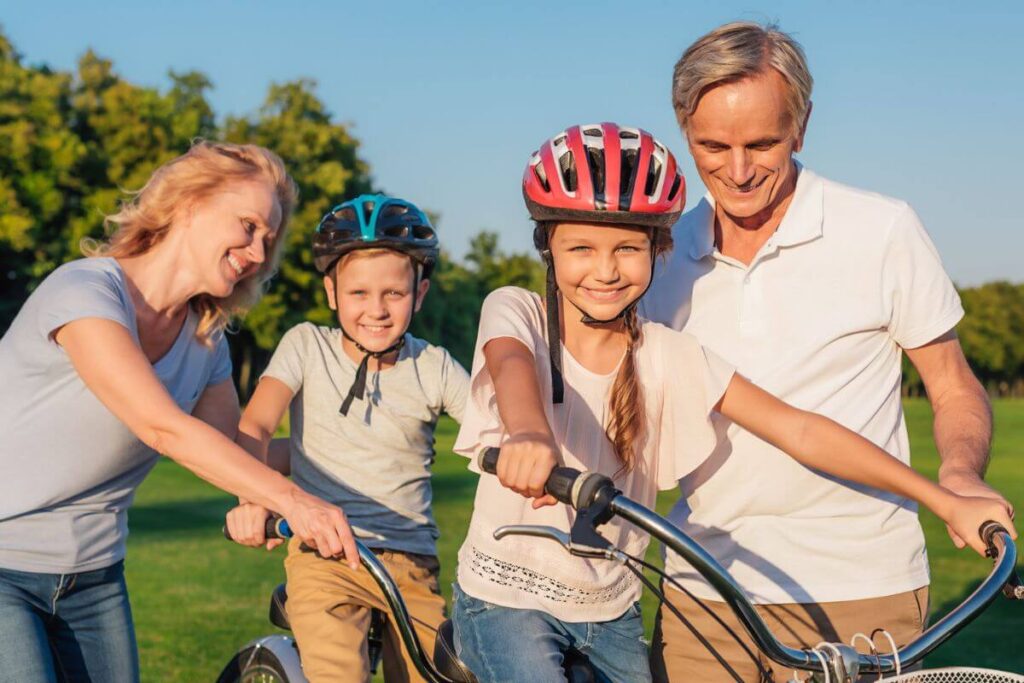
(968, 483)
(970, 513)
(527, 460)
(246, 524)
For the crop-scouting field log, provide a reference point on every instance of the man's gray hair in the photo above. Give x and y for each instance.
(736, 51)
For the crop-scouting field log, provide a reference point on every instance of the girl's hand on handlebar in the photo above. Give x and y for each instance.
(322, 526)
(247, 523)
(526, 462)
(970, 513)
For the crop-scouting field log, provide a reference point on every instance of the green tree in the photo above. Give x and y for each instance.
(324, 160)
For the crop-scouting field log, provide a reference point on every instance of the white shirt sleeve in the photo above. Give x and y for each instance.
(286, 365)
(923, 302)
(694, 380)
(508, 312)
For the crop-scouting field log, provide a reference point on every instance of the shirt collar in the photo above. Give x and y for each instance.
(802, 223)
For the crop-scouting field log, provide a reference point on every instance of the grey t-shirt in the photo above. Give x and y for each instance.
(68, 467)
(374, 462)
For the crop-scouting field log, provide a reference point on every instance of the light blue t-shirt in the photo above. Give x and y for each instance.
(68, 467)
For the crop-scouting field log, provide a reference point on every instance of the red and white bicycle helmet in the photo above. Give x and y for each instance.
(604, 173)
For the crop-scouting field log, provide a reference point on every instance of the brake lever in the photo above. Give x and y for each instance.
(562, 538)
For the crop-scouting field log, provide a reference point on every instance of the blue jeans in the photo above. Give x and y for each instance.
(508, 645)
(74, 628)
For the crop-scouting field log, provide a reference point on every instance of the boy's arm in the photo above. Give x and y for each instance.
(279, 455)
(262, 416)
(246, 523)
(456, 388)
(820, 443)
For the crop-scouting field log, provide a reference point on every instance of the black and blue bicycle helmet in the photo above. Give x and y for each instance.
(375, 221)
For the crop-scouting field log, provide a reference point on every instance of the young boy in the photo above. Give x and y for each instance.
(364, 401)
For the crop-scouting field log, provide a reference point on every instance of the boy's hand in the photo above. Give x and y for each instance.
(322, 526)
(247, 526)
(525, 464)
(970, 513)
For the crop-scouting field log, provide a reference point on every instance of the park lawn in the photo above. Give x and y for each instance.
(197, 598)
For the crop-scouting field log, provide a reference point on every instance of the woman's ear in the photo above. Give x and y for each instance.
(421, 292)
(329, 289)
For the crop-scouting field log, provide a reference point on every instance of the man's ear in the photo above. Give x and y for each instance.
(332, 300)
(803, 128)
(421, 293)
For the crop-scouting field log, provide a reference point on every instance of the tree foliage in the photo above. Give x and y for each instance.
(71, 144)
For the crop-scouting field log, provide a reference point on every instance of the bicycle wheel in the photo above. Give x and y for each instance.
(956, 674)
(254, 665)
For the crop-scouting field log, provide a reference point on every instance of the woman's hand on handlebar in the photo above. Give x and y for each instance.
(247, 523)
(322, 526)
(526, 462)
(969, 514)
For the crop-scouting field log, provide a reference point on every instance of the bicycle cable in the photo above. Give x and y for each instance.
(765, 675)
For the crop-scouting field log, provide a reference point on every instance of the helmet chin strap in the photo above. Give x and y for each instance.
(554, 337)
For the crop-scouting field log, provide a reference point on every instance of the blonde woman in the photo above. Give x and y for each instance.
(114, 359)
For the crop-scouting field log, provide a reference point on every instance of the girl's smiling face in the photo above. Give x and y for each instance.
(601, 268)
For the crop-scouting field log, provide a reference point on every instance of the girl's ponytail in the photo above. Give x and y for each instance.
(627, 426)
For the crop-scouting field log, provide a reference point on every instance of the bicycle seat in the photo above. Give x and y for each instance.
(445, 659)
(278, 614)
(577, 667)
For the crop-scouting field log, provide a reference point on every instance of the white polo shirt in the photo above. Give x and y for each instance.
(818, 318)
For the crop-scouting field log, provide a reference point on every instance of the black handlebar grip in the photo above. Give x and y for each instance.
(560, 484)
(488, 460)
(274, 527)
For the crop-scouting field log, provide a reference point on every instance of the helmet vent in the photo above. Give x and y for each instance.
(627, 177)
(398, 231)
(628, 135)
(653, 173)
(368, 208)
(394, 210)
(345, 214)
(422, 232)
(538, 172)
(595, 159)
(592, 132)
(675, 188)
(567, 164)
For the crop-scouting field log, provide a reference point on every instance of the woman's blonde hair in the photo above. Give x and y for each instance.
(736, 51)
(627, 424)
(143, 221)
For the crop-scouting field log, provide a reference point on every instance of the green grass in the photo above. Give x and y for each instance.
(197, 598)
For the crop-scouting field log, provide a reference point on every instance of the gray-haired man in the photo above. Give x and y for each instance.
(813, 290)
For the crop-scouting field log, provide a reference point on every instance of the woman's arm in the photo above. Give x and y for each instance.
(822, 444)
(116, 371)
(530, 453)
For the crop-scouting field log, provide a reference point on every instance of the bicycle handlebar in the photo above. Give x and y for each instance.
(580, 489)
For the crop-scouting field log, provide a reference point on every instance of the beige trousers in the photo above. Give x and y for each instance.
(329, 610)
(686, 651)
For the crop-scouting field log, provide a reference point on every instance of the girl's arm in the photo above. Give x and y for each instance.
(820, 443)
(116, 371)
(530, 453)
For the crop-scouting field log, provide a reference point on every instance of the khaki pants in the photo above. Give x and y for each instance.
(329, 610)
(679, 655)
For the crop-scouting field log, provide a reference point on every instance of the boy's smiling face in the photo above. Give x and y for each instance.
(374, 297)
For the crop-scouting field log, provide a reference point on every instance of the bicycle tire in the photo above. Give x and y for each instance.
(956, 674)
(254, 665)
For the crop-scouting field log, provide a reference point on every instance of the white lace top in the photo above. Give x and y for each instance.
(681, 383)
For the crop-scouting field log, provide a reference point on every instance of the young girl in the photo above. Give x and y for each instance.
(580, 380)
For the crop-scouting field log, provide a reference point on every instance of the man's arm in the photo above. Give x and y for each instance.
(963, 417)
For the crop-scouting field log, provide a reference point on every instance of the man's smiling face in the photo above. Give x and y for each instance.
(742, 139)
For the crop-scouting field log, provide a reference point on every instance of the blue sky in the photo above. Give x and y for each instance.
(918, 100)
